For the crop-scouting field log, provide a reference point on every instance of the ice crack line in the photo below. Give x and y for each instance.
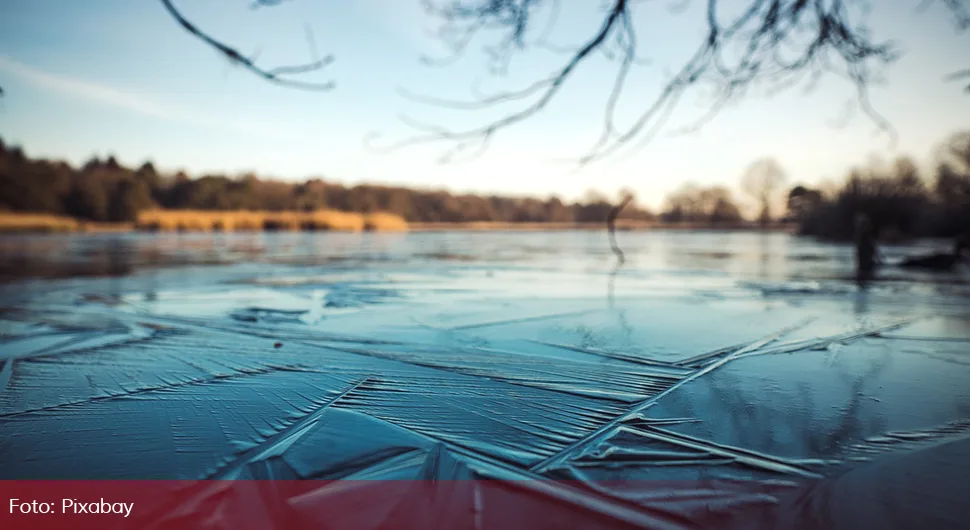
(276, 444)
(587, 499)
(6, 372)
(640, 407)
(736, 454)
(239, 374)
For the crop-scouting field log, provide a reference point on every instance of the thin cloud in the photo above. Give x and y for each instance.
(104, 94)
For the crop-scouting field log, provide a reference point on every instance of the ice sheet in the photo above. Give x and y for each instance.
(705, 362)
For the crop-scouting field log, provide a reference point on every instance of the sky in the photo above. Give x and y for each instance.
(119, 77)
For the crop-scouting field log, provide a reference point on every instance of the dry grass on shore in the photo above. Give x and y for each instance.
(241, 221)
(48, 223)
(211, 221)
(17, 222)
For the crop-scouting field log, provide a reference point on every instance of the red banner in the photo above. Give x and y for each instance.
(373, 505)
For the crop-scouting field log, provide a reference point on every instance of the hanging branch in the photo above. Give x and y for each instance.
(961, 76)
(779, 43)
(961, 18)
(278, 75)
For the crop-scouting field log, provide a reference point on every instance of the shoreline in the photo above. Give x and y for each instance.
(176, 221)
(621, 226)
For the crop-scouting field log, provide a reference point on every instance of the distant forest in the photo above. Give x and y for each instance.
(901, 200)
(106, 191)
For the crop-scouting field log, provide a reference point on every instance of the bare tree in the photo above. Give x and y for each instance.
(952, 185)
(955, 152)
(762, 181)
(694, 204)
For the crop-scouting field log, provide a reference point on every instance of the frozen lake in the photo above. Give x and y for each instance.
(706, 356)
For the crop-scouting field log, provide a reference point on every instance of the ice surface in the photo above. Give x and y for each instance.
(706, 359)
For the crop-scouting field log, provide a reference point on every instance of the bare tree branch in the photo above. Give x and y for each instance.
(771, 43)
(961, 75)
(266, 3)
(961, 17)
(508, 12)
(457, 44)
(960, 12)
(611, 227)
(274, 75)
(614, 246)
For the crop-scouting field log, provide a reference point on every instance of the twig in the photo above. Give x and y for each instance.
(620, 257)
(611, 227)
(960, 76)
(273, 75)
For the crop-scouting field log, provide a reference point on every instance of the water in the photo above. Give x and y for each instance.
(705, 355)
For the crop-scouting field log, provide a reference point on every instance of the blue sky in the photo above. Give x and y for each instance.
(119, 77)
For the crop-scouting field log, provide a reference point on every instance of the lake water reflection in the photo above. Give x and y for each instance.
(774, 262)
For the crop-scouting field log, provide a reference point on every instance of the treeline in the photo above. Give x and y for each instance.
(899, 199)
(106, 191)
(703, 205)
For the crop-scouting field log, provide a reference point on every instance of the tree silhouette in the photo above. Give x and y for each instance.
(106, 190)
(952, 185)
(694, 204)
(762, 181)
(802, 201)
(894, 197)
(130, 197)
